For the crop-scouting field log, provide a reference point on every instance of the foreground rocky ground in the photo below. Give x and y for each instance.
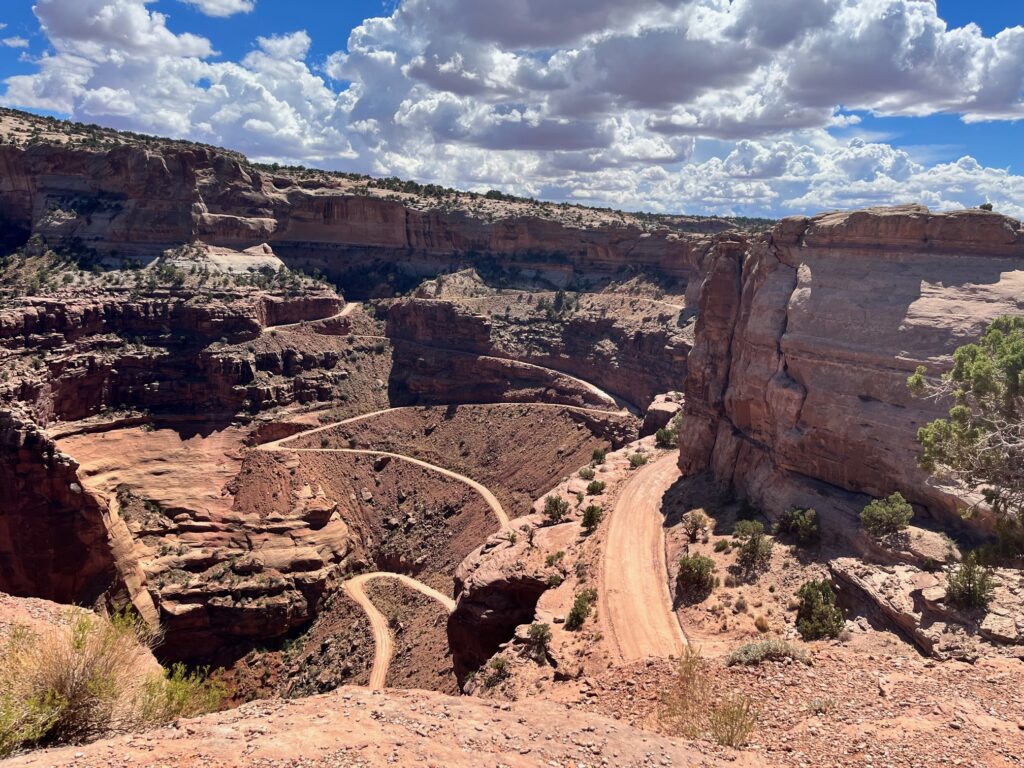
(354, 727)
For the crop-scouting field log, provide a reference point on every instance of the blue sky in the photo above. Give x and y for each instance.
(697, 106)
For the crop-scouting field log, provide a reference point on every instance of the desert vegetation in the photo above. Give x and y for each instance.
(981, 442)
(690, 708)
(91, 677)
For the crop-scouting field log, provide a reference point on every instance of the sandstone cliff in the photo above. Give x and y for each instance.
(797, 389)
(134, 201)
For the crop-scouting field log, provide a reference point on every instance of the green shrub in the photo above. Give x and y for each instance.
(595, 487)
(598, 456)
(755, 549)
(554, 559)
(695, 523)
(587, 473)
(498, 669)
(884, 517)
(592, 516)
(801, 524)
(818, 615)
(540, 637)
(555, 509)
(665, 438)
(580, 609)
(776, 649)
(722, 545)
(89, 678)
(970, 585)
(696, 578)
(637, 460)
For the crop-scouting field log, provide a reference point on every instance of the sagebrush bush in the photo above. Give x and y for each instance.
(587, 473)
(801, 524)
(88, 678)
(818, 616)
(688, 707)
(884, 517)
(598, 456)
(696, 578)
(732, 721)
(775, 649)
(637, 460)
(970, 585)
(595, 487)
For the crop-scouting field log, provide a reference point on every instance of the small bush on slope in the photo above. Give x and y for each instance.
(801, 524)
(884, 517)
(88, 679)
(580, 609)
(776, 649)
(970, 585)
(818, 615)
(688, 708)
(696, 578)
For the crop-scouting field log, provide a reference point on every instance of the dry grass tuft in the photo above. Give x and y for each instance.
(89, 678)
(689, 709)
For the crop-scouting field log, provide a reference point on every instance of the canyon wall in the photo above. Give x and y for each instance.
(132, 201)
(797, 389)
(631, 358)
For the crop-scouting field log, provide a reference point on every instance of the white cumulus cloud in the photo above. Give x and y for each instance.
(222, 8)
(676, 105)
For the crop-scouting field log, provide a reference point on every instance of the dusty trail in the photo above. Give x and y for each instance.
(383, 641)
(345, 312)
(490, 498)
(638, 608)
(635, 603)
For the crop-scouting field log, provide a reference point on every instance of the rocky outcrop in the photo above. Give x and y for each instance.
(660, 413)
(158, 353)
(54, 541)
(913, 602)
(496, 593)
(804, 340)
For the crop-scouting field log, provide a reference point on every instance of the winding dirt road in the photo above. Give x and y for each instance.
(634, 594)
(345, 312)
(383, 640)
(490, 498)
(634, 599)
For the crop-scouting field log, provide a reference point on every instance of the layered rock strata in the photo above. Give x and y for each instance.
(797, 390)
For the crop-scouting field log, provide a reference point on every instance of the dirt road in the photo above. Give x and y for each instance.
(635, 604)
(383, 641)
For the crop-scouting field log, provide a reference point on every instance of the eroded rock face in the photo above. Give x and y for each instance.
(635, 358)
(496, 593)
(54, 541)
(140, 201)
(805, 339)
(914, 601)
